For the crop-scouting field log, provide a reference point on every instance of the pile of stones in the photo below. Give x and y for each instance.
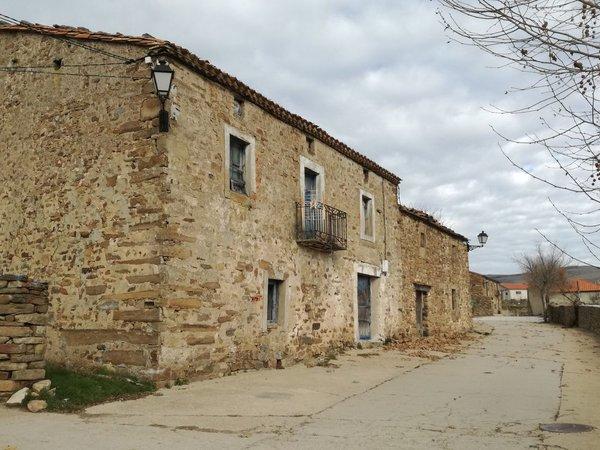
(23, 319)
(30, 397)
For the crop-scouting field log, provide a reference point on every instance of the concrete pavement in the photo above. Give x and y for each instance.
(494, 394)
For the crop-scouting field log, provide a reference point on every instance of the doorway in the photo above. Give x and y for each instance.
(364, 307)
(421, 309)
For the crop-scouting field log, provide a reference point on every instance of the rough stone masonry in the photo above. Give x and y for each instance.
(23, 319)
(154, 263)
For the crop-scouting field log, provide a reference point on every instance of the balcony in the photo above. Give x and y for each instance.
(320, 226)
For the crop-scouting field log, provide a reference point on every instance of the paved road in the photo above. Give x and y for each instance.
(492, 395)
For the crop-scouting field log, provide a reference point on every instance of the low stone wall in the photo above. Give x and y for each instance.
(516, 308)
(23, 319)
(565, 315)
(589, 317)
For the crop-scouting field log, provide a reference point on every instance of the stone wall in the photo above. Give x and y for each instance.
(516, 307)
(588, 317)
(81, 188)
(23, 319)
(224, 246)
(565, 315)
(157, 267)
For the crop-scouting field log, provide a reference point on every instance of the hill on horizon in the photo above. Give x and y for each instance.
(586, 272)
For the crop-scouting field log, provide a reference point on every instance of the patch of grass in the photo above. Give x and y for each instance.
(73, 390)
(181, 381)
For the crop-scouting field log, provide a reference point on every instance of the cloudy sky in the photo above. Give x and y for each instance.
(380, 76)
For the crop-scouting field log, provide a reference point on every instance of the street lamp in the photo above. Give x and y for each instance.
(482, 238)
(162, 74)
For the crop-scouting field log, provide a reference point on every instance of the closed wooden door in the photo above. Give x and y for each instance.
(419, 311)
(364, 307)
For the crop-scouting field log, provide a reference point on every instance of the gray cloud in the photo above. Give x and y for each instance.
(381, 77)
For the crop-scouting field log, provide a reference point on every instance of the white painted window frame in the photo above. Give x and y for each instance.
(250, 156)
(306, 163)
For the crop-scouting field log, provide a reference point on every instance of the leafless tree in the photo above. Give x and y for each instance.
(544, 273)
(556, 46)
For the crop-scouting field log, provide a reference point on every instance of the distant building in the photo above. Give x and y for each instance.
(577, 290)
(515, 300)
(485, 295)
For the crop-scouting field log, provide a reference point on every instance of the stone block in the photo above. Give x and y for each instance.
(200, 340)
(126, 357)
(10, 366)
(8, 385)
(26, 357)
(95, 290)
(36, 365)
(4, 375)
(138, 315)
(149, 278)
(150, 108)
(28, 374)
(34, 319)
(15, 332)
(16, 308)
(101, 336)
(29, 340)
(12, 348)
(184, 303)
(128, 127)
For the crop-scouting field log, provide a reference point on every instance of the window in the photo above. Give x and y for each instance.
(365, 174)
(423, 239)
(454, 300)
(310, 142)
(367, 217)
(238, 107)
(367, 212)
(518, 292)
(237, 164)
(273, 302)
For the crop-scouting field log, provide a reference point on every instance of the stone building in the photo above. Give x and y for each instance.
(242, 236)
(485, 295)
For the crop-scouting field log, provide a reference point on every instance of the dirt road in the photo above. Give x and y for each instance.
(493, 394)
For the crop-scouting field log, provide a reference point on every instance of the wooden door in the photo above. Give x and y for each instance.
(364, 307)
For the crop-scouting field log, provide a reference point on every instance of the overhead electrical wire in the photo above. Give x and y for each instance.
(13, 21)
(90, 75)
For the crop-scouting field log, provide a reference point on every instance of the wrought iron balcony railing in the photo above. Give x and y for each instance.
(321, 226)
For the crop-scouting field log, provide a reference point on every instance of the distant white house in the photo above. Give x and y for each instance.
(513, 291)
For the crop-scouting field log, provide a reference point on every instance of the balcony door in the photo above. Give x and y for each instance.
(313, 210)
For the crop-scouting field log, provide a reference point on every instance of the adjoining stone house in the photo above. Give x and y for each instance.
(159, 261)
(485, 295)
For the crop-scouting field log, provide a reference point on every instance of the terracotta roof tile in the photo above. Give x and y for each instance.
(580, 285)
(203, 67)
